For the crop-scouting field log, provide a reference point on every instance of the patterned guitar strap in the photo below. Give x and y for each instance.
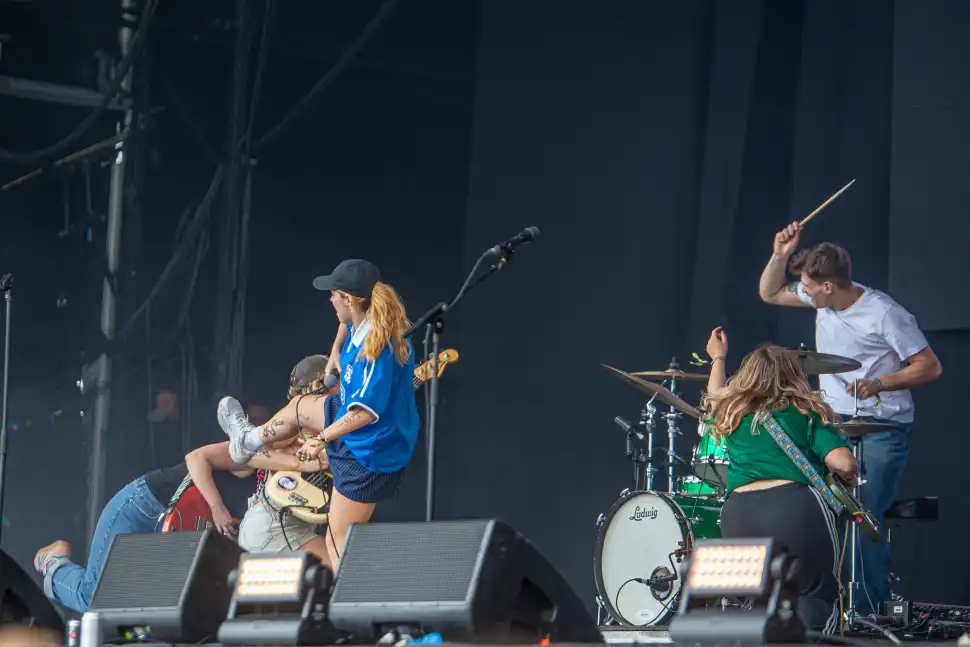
(768, 422)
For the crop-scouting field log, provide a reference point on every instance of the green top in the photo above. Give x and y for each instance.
(756, 456)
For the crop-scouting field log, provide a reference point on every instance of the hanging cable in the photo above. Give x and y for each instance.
(137, 47)
(269, 25)
(345, 59)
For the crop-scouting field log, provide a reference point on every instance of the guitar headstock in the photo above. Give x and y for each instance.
(423, 372)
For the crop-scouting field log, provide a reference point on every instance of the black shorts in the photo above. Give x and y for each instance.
(795, 515)
(355, 481)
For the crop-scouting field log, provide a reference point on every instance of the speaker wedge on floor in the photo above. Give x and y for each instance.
(471, 581)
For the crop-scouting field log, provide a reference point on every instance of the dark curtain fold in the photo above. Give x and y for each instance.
(929, 227)
(841, 132)
(588, 124)
(733, 59)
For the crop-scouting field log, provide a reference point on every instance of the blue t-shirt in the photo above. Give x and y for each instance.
(386, 389)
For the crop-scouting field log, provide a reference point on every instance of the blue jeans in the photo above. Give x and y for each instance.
(884, 458)
(134, 509)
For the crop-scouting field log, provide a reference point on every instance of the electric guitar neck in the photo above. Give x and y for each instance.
(307, 494)
(866, 521)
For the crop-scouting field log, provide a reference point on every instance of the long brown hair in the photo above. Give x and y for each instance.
(388, 321)
(769, 379)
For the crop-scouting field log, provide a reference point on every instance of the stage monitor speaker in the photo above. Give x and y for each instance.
(23, 601)
(471, 581)
(166, 587)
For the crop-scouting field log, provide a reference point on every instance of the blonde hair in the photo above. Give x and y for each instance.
(769, 379)
(388, 320)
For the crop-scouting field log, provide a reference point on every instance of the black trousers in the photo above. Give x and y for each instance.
(795, 515)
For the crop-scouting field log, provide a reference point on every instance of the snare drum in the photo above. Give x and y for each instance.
(648, 534)
(693, 486)
(710, 461)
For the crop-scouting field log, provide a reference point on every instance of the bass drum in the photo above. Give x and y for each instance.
(639, 538)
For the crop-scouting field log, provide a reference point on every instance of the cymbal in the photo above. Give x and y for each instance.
(671, 374)
(823, 363)
(663, 394)
(856, 428)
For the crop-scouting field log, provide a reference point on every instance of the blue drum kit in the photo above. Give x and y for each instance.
(648, 533)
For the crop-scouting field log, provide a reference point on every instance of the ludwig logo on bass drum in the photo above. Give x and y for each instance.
(643, 513)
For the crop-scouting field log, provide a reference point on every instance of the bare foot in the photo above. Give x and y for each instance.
(51, 553)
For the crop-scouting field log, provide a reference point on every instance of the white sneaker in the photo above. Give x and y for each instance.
(235, 423)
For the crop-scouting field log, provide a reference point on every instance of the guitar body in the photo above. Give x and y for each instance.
(306, 495)
(307, 492)
(188, 511)
(863, 518)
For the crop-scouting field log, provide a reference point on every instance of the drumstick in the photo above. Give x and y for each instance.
(826, 203)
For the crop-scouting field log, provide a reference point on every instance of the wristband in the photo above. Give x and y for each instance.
(879, 382)
(719, 357)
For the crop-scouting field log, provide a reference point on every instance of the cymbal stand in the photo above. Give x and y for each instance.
(647, 421)
(673, 430)
(856, 443)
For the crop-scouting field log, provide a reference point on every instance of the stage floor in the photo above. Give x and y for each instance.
(613, 635)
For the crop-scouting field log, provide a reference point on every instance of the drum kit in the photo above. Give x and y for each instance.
(647, 534)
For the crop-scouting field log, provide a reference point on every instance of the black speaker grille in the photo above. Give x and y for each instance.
(132, 578)
(411, 562)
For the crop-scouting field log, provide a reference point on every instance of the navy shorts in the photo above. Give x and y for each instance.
(355, 481)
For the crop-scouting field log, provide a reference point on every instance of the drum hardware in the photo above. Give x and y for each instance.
(635, 454)
(665, 395)
(647, 421)
(672, 373)
(855, 429)
(814, 363)
(673, 430)
(603, 617)
(668, 396)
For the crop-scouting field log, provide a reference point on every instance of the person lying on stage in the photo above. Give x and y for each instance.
(136, 508)
(373, 438)
(263, 528)
(867, 325)
(768, 495)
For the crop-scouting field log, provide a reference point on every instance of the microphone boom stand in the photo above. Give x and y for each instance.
(6, 283)
(433, 322)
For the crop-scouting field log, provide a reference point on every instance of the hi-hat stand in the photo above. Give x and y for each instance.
(6, 285)
(854, 530)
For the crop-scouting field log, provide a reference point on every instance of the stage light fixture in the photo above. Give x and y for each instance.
(278, 599)
(759, 569)
(731, 570)
(274, 580)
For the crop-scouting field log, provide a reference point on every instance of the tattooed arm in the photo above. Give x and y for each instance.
(286, 460)
(772, 288)
(354, 419)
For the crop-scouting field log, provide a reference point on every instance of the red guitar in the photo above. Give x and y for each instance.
(187, 510)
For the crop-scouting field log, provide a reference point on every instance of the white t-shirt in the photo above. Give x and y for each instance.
(879, 333)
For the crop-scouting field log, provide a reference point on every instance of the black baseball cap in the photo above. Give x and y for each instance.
(354, 276)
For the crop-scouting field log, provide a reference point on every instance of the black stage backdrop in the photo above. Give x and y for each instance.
(659, 146)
